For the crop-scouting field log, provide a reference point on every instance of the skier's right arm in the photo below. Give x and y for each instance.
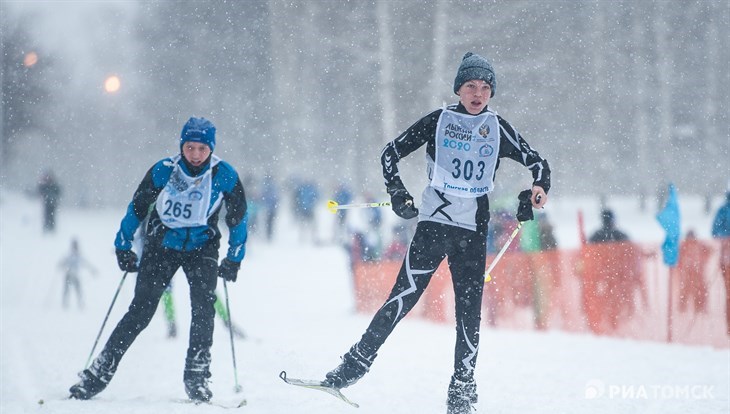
(413, 138)
(147, 191)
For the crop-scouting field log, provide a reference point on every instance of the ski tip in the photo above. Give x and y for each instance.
(282, 375)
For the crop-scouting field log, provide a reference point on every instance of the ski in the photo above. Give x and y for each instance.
(226, 406)
(42, 401)
(317, 385)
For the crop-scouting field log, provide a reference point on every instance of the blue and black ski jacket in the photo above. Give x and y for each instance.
(225, 184)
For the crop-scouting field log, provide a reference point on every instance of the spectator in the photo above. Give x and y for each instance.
(608, 231)
(721, 231)
(343, 195)
(398, 246)
(270, 204)
(374, 218)
(546, 233)
(50, 192)
(546, 275)
(253, 200)
(305, 198)
(693, 254)
(529, 240)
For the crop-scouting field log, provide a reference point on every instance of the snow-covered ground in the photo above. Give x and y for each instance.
(295, 302)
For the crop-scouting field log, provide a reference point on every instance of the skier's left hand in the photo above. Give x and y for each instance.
(539, 197)
(402, 204)
(228, 270)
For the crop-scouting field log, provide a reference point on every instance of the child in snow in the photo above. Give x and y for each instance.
(71, 266)
(188, 190)
(464, 143)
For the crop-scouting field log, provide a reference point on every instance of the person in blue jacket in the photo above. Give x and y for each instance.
(187, 191)
(721, 231)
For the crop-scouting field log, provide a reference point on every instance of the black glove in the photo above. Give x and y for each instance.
(127, 260)
(402, 204)
(228, 270)
(524, 210)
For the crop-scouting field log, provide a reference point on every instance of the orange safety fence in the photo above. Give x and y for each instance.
(612, 289)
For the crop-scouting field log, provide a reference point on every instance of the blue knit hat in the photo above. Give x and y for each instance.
(198, 130)
(474, 67)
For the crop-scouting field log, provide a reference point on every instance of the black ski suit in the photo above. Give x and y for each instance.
(439, 235)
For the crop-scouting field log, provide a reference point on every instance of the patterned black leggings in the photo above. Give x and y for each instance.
(466, 251)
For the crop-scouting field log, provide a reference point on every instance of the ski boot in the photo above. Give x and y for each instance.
(196, 386)
(196, 377)
(354, 366)
(95, 378)
(462, 396)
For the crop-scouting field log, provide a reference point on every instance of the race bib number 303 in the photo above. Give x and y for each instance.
(467, 147)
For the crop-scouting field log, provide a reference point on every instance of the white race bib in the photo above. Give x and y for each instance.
(467, 148)
(185, 200)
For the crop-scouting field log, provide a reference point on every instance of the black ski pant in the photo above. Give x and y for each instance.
(157, 267)
(49, 216)
(72, 282)
(432, 242)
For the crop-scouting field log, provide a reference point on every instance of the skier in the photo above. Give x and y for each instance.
(71, 266)
(220, 310)
(188, 190)
(168, 305)
(464, 143)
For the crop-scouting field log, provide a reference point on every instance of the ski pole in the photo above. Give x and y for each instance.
(487, 276)
(121, 282)
(524, 213)
(333, 206)
(237, 388)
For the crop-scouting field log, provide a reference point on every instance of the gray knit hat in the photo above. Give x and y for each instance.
(474, 67)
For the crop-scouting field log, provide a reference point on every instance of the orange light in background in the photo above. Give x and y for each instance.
(30, 59)
(112, 84)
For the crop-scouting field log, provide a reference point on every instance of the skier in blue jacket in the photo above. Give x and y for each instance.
(187, 191)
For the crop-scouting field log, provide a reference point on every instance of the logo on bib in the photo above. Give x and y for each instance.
(178, 183)
(486, 150)
(484, 130)
(195, 195)
(455, 131)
